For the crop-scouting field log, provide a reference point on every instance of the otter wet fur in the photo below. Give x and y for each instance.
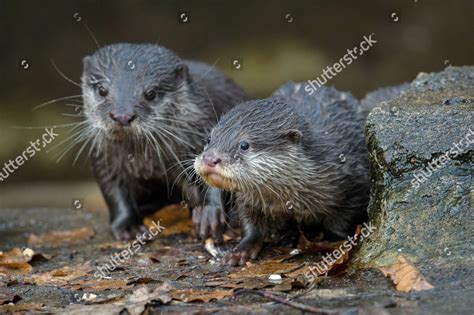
(147, 115)
(290, 158)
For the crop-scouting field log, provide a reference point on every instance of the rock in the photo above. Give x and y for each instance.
(425, 214)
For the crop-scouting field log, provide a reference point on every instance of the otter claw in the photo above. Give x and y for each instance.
(240, 257)
(209, 221)
(128, 233)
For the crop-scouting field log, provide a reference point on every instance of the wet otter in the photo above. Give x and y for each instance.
(147, 116)
(292, 157)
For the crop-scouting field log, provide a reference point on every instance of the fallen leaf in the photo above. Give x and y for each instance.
(174, 218)
(244, 283)
(188, 296)
(406, 277)
(310, 247)
(265, 268)
(100, 284)
(329, 261)
(59, 238)
(60, 277)
(141, 296)
(16, 261)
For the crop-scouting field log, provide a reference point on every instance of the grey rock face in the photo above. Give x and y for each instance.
(421, 147)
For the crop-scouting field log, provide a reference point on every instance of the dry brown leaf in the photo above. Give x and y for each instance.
(406, 277)
(264, 268)
(100, 284)
(200, 295)
(174, 218)
(16, 261)
(136, 301)
(62, 276)
(321, 267)
(244, 283)
(306, 246)
(59, 238)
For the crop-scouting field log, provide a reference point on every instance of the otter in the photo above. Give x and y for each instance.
(290, 158)
(147, 115)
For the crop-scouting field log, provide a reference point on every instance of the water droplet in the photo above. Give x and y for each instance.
(394, 110)
(289, 205)
(131, 158)
(342, 157)
(131, 64)
(447, 251)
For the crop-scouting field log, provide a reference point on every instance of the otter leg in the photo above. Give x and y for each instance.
(249, 247)
(209, 219)
(126, 222)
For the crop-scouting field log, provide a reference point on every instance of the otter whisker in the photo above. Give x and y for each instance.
(75, 131)
(56, 100)
(63, 75)
(88, 139)
(72, 144)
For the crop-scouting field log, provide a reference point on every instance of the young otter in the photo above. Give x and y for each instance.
(148, 114)
(292, 157)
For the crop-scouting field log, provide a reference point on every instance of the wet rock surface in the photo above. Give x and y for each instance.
(421, 147)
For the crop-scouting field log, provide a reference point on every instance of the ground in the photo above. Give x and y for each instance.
(175, 274)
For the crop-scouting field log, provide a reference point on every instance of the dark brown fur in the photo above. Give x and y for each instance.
(306, 162)
(148, 114)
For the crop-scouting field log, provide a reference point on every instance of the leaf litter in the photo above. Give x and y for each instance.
(174, 268)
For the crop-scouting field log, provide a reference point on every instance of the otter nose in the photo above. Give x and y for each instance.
(123, 120)
(211, 159)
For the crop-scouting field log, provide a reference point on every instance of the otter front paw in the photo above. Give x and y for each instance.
(209, 221)
(127, 232)
(242, 253)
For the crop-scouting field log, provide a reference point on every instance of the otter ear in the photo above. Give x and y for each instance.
(293, 135)
(86, 63)
(181, 72)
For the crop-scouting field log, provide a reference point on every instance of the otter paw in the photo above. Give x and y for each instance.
(128, 233)
(241, 256)
(209, 221)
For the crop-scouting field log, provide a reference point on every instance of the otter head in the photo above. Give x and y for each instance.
(129, 89)
(257, 145)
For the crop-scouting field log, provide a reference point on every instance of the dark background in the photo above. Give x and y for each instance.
(428, 36)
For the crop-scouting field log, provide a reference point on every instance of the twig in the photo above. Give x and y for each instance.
(300, 306)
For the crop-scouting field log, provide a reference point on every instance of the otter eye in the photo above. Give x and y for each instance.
(150, 95)
(103, 91)
(244, 146)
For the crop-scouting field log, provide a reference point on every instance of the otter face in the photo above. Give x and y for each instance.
(131, 89)
(255, 145)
